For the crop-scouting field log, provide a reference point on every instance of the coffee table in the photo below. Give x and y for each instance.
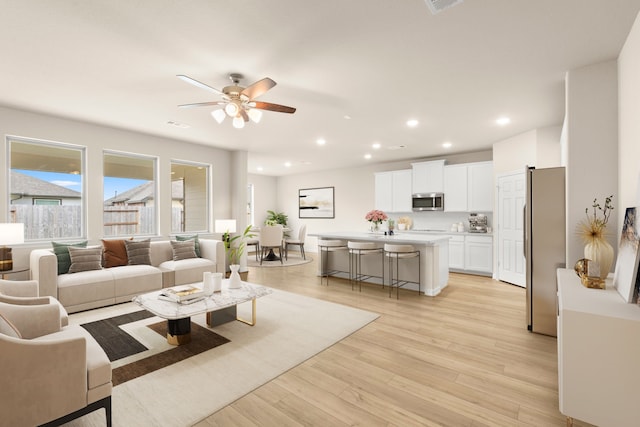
(179, 315)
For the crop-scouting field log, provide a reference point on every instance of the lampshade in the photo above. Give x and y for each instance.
(255, 115)
(238, 122)
(219, 115)
(231, 109)
(225, 226)
(11, 233)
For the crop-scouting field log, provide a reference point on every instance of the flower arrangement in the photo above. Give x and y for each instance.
(376, 216)
(592, 229)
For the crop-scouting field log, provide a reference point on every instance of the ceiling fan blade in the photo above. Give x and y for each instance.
(202, 104)
(199, 84)
(258, 88)
(244, 115)
(272, 107)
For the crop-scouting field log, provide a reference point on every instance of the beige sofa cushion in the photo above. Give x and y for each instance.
(7, 328)
(75, 289)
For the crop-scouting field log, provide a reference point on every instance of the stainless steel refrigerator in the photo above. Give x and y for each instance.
(544, 245)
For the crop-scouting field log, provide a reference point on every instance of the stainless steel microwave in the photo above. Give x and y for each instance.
(427, 202)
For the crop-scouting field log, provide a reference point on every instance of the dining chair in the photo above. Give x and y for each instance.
(302, 234)
(270, 239)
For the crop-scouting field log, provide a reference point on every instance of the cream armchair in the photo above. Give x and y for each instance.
(49, 375)
(26, 293)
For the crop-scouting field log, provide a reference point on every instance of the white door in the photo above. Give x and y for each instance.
(511, 198)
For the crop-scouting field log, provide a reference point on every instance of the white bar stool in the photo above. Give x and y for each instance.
(324, 247)
(356, 251)
(398, 252)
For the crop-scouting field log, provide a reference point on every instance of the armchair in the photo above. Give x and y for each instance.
(50, 375)
(26, 293)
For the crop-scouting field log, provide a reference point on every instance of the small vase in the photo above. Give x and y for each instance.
(375, 227)
(600, 251)
(235, 281)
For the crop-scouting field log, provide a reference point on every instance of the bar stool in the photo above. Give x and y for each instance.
(324, 247)
(398, 252)
(356, 251)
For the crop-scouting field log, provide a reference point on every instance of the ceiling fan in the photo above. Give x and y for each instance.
(238, 102)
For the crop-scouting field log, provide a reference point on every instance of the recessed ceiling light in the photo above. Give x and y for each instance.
(287, 164)
(447, 144)
(367, 156)
(412, 123)
(376, 145)
(347, 117)
(320, 141)
(259, 168)
(503, 121)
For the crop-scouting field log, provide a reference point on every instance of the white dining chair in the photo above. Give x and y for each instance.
(270, 239)
(302, 234)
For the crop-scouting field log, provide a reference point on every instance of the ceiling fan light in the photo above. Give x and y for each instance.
(219, 115)
(231, 109)
(255, 115)
(238, 122)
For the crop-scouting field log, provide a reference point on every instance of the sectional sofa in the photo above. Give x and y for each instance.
(101, 286)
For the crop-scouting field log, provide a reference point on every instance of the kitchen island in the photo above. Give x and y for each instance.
(434, 258)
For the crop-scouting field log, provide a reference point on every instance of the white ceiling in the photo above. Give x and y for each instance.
(380, 62)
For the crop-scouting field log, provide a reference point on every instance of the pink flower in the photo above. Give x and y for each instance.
(376, 216)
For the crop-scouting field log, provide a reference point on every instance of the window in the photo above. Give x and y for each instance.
(189, 197)
(46, 188)
(129, 194)
(250, 205)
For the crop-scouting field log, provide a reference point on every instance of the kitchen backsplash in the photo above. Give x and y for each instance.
(438, 220)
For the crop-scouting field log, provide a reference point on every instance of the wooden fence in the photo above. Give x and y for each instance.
(42, 222)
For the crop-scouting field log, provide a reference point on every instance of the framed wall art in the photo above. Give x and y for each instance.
(316, 202)
(625, 279)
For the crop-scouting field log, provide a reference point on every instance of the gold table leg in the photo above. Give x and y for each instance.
(253, 315)
(569, 421)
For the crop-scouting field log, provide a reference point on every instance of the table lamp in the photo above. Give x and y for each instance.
(225, 226)
(10, 234)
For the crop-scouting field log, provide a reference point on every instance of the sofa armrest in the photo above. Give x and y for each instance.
(42, 380)
(24, 300)
(44, 268)
(214, 250)
(32, 321)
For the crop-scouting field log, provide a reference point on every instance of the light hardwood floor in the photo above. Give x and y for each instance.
(463, 358)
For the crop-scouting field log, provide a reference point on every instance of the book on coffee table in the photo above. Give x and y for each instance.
(182, 294)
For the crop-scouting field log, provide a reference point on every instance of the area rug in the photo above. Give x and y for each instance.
(114, 339)
(293, 260)
(290, 329)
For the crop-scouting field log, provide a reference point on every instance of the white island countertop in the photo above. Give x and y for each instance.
(434, 256)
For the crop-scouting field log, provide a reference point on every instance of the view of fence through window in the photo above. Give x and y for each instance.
(129, 195)
(45, 187)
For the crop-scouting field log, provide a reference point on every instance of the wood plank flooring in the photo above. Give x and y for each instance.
(463, 358)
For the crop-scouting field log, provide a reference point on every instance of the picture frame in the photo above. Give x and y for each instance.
(626, 279)
(316, 202)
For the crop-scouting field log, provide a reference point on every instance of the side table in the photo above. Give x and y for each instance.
(5, 273)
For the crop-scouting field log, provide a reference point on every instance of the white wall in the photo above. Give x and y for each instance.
(592, 147)
(629, 122)
(265, 196)
(96, 138)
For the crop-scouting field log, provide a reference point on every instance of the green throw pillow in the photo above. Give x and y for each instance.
(195, 239)
(62, 253)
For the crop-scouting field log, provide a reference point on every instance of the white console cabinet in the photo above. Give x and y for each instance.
(598, 354)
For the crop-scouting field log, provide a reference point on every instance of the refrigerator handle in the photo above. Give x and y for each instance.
(524, 230)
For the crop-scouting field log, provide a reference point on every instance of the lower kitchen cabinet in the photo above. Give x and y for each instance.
(478, 253)
(456, 253)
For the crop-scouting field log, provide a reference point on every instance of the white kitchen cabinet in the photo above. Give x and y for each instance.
(478, 253)
(455, 188)
(456, 252)
(428, 177)
(393, 191)
(480, 187)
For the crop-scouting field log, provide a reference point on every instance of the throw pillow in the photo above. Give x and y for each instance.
(85, 259)
(62, 253)
(195, 239)
(183, 250)
(138, 251)
(7, 328)
(114, 254)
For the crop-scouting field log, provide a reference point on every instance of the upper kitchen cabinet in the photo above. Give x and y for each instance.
(480, 187)
(428, 177)
(468, 187)
(393, 191)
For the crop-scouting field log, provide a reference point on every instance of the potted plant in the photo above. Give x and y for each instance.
(274, 218)
(234, 248)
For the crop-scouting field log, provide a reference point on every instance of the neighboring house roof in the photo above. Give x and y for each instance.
(143, 193)
(30, 186)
